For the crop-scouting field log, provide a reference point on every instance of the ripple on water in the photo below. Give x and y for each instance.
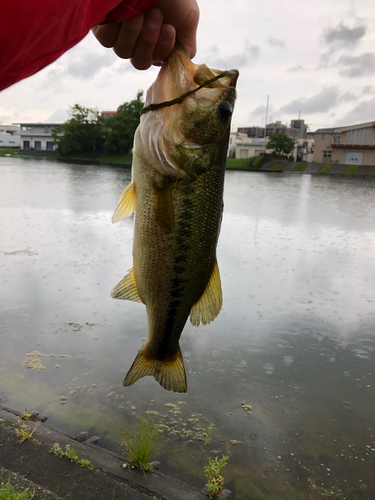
(360, 353)
(269, 368)
(347, 405)
(333, 422)
(288, 360)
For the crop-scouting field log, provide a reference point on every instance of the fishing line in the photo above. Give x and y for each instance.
(178, 100)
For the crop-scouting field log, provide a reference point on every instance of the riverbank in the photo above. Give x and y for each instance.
(313, 168)
(30, 464)
(256, 164)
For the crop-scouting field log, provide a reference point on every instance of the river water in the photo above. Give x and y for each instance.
(285, 373)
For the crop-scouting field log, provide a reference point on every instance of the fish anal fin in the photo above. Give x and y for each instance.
(209, 305)
(163, 207)
(169, 373)
(127, 289)
(126, 204)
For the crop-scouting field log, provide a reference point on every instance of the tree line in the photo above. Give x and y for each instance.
(86, 131)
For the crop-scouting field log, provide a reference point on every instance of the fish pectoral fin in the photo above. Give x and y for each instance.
(126, 204)
(163, 207)
(170, 374)
(209, 305)
(127, 289)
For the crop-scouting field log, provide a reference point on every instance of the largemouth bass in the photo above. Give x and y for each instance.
(176, 193)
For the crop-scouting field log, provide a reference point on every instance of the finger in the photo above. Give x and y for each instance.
(107, 33)
(187, 33)
(127, 38)
(164, 45)
(147, 40)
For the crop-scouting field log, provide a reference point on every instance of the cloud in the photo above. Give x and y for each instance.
(91, 63)
(58, 116)
(362, 113)
(368, 89)
(356, 66)
(296, 69)
(347, 97)
(318, 103)
(220, 61)
(343, 36)
(276, 42)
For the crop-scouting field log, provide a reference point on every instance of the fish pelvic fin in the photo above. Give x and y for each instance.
(209, 305)
(169, 373)
(127, 289)
(126, 204)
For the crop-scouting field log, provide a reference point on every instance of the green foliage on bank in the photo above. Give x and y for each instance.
(351, 170)
(300, 167)
(281, 144)
(86, 132)
(238, 163)
(122, 126)
(9, 151)
(325, 168)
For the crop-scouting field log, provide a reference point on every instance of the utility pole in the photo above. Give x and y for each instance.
(265, 123)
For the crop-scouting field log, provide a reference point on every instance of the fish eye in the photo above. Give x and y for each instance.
(225, 110)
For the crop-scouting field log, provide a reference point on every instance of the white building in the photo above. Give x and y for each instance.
(37, 136)
(242, 146)
(10, 136)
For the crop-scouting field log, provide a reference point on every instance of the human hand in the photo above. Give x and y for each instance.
(150, 37)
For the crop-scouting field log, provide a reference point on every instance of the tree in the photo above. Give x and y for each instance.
(84, 132)
(281, 144)
(122, 126)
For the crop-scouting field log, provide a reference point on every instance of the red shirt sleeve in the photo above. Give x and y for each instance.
(35, 33)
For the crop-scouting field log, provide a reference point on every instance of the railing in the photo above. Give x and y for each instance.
(353, 146)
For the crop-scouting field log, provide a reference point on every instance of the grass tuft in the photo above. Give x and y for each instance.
(141, 444)
(7, 492)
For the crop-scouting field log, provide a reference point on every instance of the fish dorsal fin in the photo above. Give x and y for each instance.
(126, 204)
(209, 305)
(169, 373)
(127, 289)
(163, 207)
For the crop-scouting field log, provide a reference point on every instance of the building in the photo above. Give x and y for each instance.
(352, 145)
(10, 136)
(108, 114)
(37, 136)
(241, 146)
(297, 129)
(256, 132)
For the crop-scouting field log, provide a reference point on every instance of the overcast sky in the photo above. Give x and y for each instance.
(314, 58)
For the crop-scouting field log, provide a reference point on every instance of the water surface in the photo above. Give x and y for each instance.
(295, 340)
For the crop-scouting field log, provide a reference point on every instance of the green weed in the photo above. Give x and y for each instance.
(24, 433)
(212, 470)
(72, 454)
(7, 493)
(140, 445)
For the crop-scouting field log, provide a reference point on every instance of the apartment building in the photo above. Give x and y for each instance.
(351, 145)
(37, 136)
(10, 136)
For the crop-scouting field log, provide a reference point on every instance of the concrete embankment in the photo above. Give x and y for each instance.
(31, 465)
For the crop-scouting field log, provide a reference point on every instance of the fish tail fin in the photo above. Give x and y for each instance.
(169, 373)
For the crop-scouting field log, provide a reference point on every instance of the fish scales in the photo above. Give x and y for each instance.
(177, 195)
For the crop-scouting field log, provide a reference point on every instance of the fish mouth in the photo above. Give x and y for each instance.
(179, 78)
